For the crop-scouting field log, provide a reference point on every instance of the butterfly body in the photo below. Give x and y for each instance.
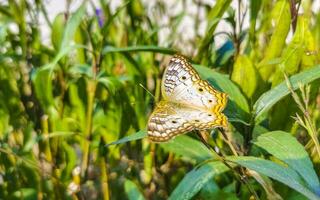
(189, 103)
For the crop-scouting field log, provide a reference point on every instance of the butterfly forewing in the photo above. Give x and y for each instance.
(182, 84)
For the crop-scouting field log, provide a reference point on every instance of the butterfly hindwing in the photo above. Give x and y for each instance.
(171, 119)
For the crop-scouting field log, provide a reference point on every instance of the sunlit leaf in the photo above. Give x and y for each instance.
(286, 148)
(135, 136)
(188, 148)
(268, 99)
(275, 171)
(243, 67)
(132, 191)
(192, 183)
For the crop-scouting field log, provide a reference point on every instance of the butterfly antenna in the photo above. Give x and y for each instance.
(146, 90)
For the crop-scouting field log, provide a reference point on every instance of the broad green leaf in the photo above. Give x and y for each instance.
(192, 182)
(242, 68)
(282, 20)
(147, 48)
(292, 54)
(188, 148)
(135, 136)
(311, 44)
(209, 189)
(71, 160)
(286, 148)
(43, 88)
(132, 191)
(268, 99)
(58, 26)
(238, 104)
(278, 172)
(309, 57)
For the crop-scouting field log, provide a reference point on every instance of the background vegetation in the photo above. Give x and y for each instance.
(62, 103)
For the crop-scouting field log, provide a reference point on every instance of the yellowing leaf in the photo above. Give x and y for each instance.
(244, 74)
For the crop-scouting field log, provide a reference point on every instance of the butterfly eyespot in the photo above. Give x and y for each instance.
(209, 115)
(196, 120)
(210, 101)
(200, 89)
(183, 78)
(173, 121)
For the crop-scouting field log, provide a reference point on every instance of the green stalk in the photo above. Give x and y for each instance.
(104, 178)
(45, 133)
(91, 88)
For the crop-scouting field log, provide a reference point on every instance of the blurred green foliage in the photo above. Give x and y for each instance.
(64, 104)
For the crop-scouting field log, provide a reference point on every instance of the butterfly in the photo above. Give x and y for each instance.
(188, 103)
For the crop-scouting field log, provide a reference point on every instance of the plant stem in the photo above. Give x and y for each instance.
(91, 88)
(104, 178)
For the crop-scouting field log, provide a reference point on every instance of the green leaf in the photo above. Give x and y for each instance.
(292, 54)
(43, 88)
(132, 190)
(214, 17)
(268, 99)
(111, 83)
(80, 70)
(282, 20)
(237, 105)
(42, 77)
(72, 26)
(147, 48)
(286, 148)
(243, 67)
(188, 148)
(255, 6)
(278, 172)
(192, 182)
(135, 136)
(25, 193)
(58, 26)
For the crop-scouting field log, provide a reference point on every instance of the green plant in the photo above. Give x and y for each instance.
(73, 113)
